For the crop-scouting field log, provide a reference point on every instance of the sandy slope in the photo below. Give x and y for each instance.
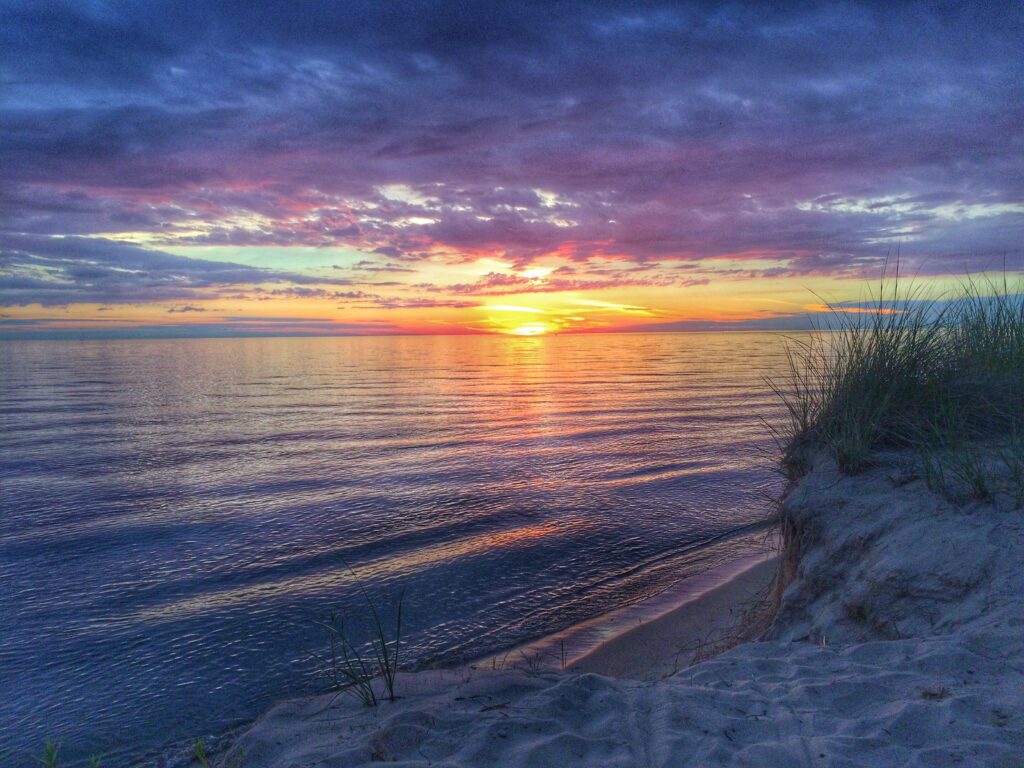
(901, 642)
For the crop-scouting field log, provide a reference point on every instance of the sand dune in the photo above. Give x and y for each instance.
(899, 643)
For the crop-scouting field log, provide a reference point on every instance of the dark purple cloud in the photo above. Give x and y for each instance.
(56, 271)
(368, 265)
(816, 136)
(501, 284)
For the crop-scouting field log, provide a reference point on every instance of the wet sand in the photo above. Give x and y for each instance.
(663, 646)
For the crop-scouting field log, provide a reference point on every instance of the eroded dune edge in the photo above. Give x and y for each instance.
(898, 641)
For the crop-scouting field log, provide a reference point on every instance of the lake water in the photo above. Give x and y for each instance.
(175, 513)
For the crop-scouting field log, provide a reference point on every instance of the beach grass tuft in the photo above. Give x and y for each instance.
(941, 376)
(200, 755)
(351, 670)
(51, 755)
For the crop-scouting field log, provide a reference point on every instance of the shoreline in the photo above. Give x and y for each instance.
(883, 651)
(613, 644)
(617, 643)
(668, 643)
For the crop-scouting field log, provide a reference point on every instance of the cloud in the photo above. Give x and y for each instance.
(68, 270)
(501, 284)
(229, 326)
(812, 137)
(368, 265)
(402, 302)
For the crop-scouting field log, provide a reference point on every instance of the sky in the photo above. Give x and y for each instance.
(237, 168)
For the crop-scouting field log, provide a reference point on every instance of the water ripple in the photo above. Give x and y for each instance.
(176, 512)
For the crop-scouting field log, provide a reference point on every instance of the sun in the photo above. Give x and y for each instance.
(531, 329)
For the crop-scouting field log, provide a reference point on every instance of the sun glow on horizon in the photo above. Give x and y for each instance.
(531, 329)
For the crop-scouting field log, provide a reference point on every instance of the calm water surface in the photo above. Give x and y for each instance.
(175, 513)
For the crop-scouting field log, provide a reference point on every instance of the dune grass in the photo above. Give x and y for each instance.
(351, 670)
(941, 376)
(200, 755)
(51, 755)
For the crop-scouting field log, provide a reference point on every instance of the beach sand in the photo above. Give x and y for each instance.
(899, 642)
(664, 645)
